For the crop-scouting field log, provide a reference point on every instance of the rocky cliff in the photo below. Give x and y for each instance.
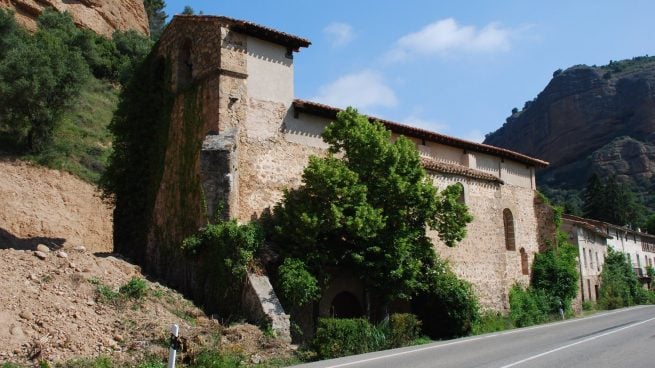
(102, 16)
(590, 119)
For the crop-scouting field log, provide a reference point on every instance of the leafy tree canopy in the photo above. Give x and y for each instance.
(650, 224)
(607, 200)
(554, 273)
(366, 207)
(156, 17)
(619, 286)
(40, 76)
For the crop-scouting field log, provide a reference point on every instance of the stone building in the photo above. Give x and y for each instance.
(255, 138)
(591, 242)
(638, 247)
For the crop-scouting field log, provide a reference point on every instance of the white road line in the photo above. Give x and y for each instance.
(482, 337)
(577, 343)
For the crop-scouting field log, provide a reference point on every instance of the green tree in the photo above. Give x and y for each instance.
(368, 211)
(594, 197)
(650, 224)
(131, 49)
(554, 273)
(188, 10)
(619, 286)
(40, 77)
(612, 202)
(156, 17)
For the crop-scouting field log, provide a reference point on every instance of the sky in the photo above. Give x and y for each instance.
(453, 67)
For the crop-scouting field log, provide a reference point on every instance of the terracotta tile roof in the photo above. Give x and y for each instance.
(587, 224)
(443, 167)
(251, 29)
(331, 113)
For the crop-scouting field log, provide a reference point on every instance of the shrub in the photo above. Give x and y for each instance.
(528, 306)
(297, 285)
(227, 250)
(341, 337)
(136, 288)
(587, 305)
(106, 294)
(403, 330)
(449, 308)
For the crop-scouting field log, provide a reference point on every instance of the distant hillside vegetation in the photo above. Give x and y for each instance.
(59, 89)
(590, 119)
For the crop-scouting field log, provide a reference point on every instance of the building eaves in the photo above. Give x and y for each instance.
(249, 28)
(608, 225)
(447, 168)
(330, 112)
(586, 225)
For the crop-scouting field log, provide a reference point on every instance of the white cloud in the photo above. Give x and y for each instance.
(362, 90)
(427, 124)
(474, 135)
(445, 37)
(339, 33)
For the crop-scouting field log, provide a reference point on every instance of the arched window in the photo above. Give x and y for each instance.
(525, 269)
(508, 221)
(462, 197)
(184, 65)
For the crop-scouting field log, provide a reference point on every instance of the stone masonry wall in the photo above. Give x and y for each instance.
(271, 146)
(481, 258)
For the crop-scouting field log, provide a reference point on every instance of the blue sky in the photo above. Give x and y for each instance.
(455, 67)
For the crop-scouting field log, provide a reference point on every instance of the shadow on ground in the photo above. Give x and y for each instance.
(9, 240)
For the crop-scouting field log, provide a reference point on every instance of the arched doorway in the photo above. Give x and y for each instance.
(345, 305)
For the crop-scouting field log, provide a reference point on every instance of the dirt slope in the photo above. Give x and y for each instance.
(61, 296)
(39, 205)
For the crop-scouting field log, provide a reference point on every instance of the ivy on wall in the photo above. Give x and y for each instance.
(140, 127)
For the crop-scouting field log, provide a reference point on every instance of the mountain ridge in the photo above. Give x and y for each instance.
(590, 119)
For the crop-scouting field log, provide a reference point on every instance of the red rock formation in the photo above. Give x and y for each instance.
(590, 119)
(102, 16)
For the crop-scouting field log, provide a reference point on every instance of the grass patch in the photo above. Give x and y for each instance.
(135, 289)
(185, 315)
(82, 142)
(491, 321)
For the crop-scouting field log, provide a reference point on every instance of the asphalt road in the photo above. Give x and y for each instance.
(620, 338)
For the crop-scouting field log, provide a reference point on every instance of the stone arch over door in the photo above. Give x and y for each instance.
(344, 295)
(346, 305)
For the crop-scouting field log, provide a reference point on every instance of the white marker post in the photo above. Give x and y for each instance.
(175, 330)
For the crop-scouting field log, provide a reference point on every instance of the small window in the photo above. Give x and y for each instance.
(184, 65)
(508, 220)
(462, 196)
(525, 268)
(584, 255)
(591, 260)
(597, 262)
